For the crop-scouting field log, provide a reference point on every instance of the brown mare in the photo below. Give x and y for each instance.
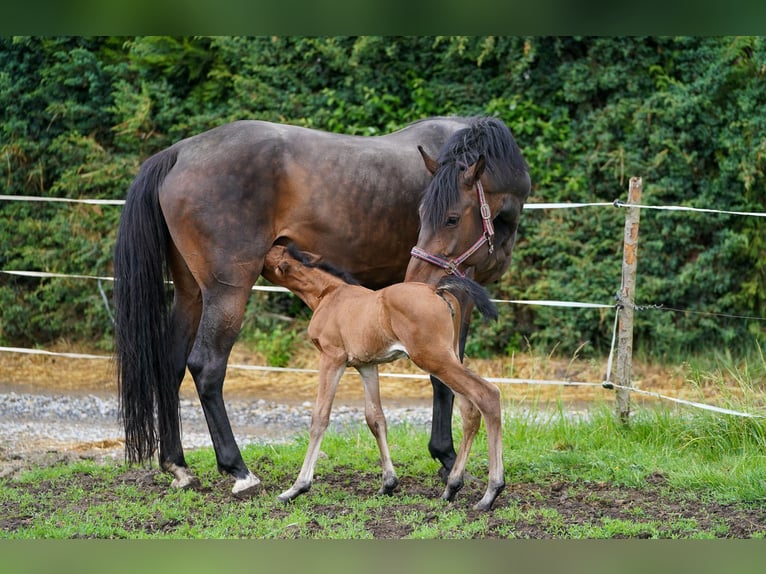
(358, 327)
(205, 211)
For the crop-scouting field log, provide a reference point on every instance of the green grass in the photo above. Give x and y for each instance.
(702, 457)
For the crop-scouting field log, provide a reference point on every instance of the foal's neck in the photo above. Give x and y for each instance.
(313, 285)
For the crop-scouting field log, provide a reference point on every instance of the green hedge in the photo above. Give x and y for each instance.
(78, 115)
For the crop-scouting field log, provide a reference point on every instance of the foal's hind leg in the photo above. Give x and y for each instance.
(330, 371)
(471, 421)
(486, 397)
(376, 420)
(441, 445)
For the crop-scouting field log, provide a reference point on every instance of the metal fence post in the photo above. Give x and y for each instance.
(627, 296)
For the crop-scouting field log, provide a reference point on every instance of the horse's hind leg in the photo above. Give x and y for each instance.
(184, 319)
(330, 372)
(376, 420)
(222, 313)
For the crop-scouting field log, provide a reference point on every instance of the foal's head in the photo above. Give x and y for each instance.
(303, 273)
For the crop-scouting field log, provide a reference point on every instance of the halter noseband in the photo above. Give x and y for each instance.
(451, 266)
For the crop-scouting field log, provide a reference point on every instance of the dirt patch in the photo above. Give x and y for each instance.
(555, 509)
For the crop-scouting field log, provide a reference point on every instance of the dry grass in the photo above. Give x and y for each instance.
(63, 374)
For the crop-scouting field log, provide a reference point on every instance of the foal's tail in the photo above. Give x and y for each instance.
(478, 294)
(145, 376)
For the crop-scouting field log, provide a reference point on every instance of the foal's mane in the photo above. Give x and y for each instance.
(304, 260)
(485, 136)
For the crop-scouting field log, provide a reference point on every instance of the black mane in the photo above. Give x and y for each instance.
(304, 260)
(485, 136)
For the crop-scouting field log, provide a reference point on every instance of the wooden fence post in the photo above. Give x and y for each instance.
(627, 296)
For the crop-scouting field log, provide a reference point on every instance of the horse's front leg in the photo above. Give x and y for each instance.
(376, 420)
(330, 371)
(441, 445)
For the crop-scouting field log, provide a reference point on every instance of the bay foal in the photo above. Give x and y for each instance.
(358, 327)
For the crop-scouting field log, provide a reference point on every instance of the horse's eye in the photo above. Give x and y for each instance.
(452, 221)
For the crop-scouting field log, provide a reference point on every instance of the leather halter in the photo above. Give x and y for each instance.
(451, 266)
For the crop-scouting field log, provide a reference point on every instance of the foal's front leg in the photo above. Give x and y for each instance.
(376, 420)
(330, 371)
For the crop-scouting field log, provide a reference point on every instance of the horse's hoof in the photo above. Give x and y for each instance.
(186, 483)
(183, 479)
(245, 487)
(444, 474)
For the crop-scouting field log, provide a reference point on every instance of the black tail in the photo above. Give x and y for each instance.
(473, 290)
(145, 376)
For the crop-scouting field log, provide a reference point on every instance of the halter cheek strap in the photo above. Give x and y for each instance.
(451, 266)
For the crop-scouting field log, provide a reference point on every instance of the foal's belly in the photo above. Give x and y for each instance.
(373, 357)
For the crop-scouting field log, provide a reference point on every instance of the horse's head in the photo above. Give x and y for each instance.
(471, 208)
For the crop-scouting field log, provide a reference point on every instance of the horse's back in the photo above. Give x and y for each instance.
(247, 137)
(353, 199)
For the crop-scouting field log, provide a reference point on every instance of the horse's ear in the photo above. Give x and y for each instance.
(431, 164)
(474, 172)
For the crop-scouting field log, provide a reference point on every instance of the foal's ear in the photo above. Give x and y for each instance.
(431, 164)
(474, 172)
(311, 258)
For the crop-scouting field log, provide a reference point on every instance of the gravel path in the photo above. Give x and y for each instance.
(33, 421)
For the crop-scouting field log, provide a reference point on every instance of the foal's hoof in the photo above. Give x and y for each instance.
(451, 490)
(296, 490)
(246, 487)
(484, 505)
(389, 485)
(444, 473)
(489, 497)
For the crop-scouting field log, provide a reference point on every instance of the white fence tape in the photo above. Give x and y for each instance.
(498, 380)
(62, 200)
(693, 209)
(276, 288)
(563, 205)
